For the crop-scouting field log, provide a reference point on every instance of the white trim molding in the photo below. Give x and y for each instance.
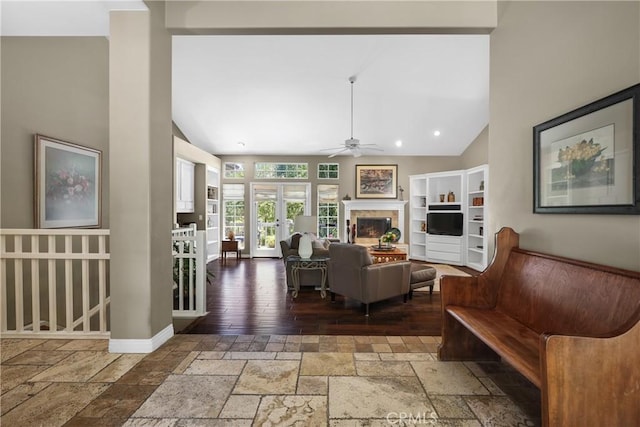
(141, 345)
(382, 205)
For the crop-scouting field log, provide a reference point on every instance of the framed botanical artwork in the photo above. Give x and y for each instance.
(67, 184)
(588, 160)
(376, 181)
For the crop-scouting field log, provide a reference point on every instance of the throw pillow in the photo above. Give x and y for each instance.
(295, 241)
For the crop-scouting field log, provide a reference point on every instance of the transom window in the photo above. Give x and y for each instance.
(268, 170)
(328, 170)
(233, 170)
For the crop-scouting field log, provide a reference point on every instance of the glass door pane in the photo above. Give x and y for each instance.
(295, 198)
(266, 226)
(275, 207)
(266, 213)
(292, 209)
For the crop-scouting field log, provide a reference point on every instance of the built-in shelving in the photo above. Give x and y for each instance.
(436, 192)
(462, 191)
(476, 239)
(418, 217)
(444, 195)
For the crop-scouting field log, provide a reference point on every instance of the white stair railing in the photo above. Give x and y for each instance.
(54, 283)
(189, 273)
(184, 231)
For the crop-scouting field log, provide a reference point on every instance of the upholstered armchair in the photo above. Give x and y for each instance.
(353, 274)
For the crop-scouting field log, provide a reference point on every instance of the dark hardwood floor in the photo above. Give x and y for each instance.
(249, 297)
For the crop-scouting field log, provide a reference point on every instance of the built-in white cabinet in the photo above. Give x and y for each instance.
(445, 249)
(447, 217)
(185, 188)
(213, 213)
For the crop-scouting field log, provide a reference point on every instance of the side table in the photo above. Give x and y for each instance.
(313, 263)
(229, 246)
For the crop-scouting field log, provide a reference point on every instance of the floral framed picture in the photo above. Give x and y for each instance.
(376, 181)
(588, 160)
(68, 184)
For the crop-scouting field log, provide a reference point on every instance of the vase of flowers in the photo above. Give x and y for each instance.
(388, 238)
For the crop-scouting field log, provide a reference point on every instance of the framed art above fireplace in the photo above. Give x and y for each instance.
(376, 181)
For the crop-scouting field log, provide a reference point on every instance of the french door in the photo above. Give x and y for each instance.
(274, 206)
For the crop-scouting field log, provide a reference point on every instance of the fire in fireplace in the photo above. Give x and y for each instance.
(372, 228)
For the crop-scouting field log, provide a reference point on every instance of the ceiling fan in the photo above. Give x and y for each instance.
(352, 144)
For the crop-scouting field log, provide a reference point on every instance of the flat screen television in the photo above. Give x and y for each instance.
(444, 223)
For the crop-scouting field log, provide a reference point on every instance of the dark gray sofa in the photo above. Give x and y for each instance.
(307, 277)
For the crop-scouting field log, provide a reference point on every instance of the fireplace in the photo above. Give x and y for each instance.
(372, 228)
(355, 211)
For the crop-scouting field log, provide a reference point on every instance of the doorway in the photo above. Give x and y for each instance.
(274, 207)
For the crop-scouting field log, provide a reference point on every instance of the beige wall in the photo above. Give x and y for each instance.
(44, 81)
(477, 153)
(246, 17)
(548, 58)
(407, 165)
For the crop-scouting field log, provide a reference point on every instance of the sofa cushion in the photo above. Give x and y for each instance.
(320, 244)
(422, 273)
(295, 241)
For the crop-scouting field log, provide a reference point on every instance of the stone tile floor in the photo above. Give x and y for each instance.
(247, 380)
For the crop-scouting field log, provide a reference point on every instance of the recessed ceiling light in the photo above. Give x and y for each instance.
(398, 143)
(436, 133)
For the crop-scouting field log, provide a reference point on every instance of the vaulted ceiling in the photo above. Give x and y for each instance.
(291, 94)
(276, 94)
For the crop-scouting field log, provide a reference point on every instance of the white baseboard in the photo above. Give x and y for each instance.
(141, 346)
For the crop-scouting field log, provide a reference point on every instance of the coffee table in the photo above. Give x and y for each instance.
(386, 255)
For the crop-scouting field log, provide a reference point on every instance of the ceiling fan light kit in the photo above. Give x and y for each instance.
(352, 144)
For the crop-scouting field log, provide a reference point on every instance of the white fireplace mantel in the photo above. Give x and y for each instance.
(377, 205)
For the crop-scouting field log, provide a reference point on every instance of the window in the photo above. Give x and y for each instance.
(233, 202)
(328, 211)
(328, 170)
(265, 170)
(233, 170)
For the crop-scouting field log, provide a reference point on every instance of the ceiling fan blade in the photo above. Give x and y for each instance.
(338, 152)
(334, 148)
(372, 148)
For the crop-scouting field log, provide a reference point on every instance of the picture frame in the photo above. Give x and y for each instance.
(587, 161)
(376, 181)
(68, 184)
